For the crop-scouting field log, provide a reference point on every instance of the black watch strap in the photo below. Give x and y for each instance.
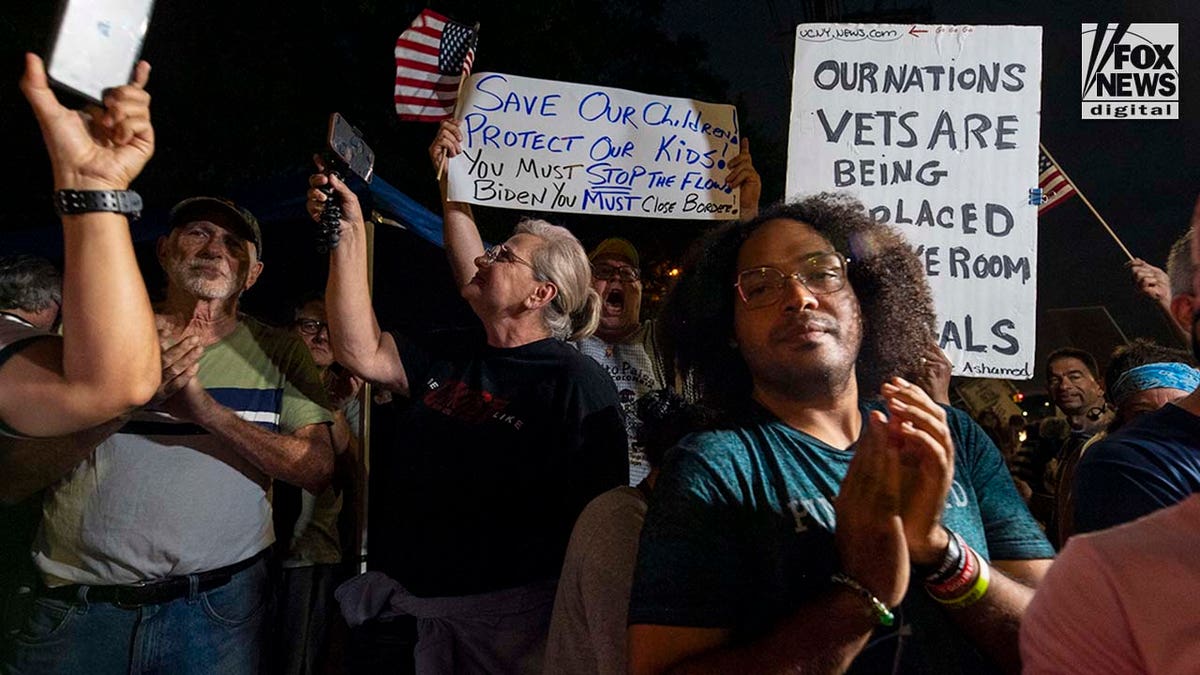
(72, 202)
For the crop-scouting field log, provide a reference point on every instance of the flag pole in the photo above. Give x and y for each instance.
(442, 164)
(1087, 203)
(462, 79)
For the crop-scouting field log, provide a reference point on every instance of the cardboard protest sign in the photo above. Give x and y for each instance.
(556, 146)
(935, 129)
(988, 394)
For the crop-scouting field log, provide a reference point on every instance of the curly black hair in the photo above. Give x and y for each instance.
(885, 273)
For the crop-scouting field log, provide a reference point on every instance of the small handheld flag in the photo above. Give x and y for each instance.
(1052, 182)
(433, 56)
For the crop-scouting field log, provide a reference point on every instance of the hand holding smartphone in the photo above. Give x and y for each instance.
(347, 145)
(96, 45)
(347, 154)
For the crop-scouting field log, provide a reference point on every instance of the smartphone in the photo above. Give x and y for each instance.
(347, 143)
(96, 44)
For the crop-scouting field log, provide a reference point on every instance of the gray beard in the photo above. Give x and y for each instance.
(203, 289)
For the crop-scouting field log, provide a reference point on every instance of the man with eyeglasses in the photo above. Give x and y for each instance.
(311, 547)
(624, 345)
(818, 527)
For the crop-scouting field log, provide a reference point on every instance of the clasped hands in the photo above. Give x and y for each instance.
(181, 393)
(889, 507)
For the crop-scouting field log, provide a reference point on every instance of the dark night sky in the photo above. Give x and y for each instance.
(242, 91)
(1140, 175)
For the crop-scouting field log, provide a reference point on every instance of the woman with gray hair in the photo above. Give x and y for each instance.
(503, 444)
(575, 312)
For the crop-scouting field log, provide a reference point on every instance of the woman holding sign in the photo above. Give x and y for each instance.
(504, 442)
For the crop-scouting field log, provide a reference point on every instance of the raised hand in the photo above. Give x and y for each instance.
(96, 148)
(352, 214)
(935, 373)
(342, 385)
(1151, 281)
(917, 426)
(446, 144)
(743, 175)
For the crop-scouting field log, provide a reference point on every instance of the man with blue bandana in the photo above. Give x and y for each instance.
(1146, 376)
(1102, 608)
(1151, 463)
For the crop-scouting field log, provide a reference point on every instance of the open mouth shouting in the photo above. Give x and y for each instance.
(614, 302)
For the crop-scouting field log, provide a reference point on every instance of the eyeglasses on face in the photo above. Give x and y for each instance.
(310, 326)
(608, 272)
(501, 254)
(820, 273)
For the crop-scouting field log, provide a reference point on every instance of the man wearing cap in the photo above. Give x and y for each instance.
(151, 549)
(623, 344)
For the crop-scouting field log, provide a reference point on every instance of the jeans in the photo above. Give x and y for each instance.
(304, 604)
(217, 631)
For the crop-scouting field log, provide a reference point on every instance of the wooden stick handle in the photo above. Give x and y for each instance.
(1088, 204)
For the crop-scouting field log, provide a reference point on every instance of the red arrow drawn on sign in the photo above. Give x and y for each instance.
(915, 32)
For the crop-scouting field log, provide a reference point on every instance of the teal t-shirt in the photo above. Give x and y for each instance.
(740, 534)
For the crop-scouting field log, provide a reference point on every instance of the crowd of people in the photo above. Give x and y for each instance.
(768, 476)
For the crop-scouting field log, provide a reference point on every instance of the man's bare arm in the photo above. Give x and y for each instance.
(303, 458)
(107, 361)
(823, 637)
(994, 622)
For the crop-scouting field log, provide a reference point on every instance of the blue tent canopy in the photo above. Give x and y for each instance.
(263, 202)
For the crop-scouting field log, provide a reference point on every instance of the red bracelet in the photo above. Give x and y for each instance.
(961, 581)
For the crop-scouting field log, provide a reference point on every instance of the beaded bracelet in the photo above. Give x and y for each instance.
(882, 614)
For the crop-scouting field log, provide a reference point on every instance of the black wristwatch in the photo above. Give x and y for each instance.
(73, 202)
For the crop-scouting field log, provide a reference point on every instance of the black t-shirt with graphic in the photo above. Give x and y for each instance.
(497, 454)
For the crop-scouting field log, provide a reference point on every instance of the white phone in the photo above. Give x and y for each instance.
(96, 44)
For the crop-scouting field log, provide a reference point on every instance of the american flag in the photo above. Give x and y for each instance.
(1053, 182)
(431, 57)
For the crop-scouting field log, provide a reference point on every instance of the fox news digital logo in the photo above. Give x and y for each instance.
(1130, 71)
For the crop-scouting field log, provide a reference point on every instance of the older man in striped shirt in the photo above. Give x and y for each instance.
(151, 548)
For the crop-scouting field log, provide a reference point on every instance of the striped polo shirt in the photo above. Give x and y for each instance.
(164, 497)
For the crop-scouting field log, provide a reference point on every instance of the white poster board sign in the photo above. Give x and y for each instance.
(555, 146)
(935, 129)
